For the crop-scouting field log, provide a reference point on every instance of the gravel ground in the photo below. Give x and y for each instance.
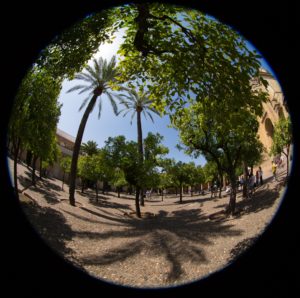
(171, 244)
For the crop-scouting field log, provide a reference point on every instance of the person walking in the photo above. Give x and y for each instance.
(274, 168)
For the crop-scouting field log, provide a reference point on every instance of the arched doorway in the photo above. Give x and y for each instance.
(280, 113)
(269, 133)
(269, 127)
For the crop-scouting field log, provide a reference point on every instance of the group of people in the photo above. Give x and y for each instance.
(252, 181)
(255, 180)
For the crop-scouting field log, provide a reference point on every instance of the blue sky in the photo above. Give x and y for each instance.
(110, 125)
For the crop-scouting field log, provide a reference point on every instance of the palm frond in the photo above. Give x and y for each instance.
(128, 97)
(149, 114)
(98, 69)
(121, 111)
(92, 72)
(127, 104)
(154, 111)
(77, 87)
(113, 103)
(126, 113)
(83, 103)
(84, 76)
(144, 113)
(86, 89)
(132, 116)
(110, 69)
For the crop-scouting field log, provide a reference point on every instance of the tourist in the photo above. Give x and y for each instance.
(274, 168)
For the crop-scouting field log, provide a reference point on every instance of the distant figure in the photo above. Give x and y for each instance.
(241, 182)
(228, 189)
(274, 168)
(251, 183)
(260, 173)
(257, 178)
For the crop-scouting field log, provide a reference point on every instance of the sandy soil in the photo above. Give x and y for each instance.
(171, 244)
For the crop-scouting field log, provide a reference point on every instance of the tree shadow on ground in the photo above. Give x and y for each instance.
(178, 236)
(51, 225)
(261, 199)
(24, 182)
(45, 188)
(109, 204)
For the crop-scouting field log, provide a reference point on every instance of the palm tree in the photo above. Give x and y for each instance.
(137, 103)
(98, 79)
(89, 148)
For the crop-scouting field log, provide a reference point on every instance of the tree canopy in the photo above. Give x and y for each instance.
(180, 52)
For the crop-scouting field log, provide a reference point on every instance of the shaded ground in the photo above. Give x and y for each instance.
(172, 244)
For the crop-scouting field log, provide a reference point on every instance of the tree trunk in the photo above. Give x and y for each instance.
(137, 202)
(76, 148)
(118, 190)
(142, 198)
(28, 158)
(162, 194)
(232, 200)
(40, 168)
(140, 135)
(16, 152)
(140, 147)
(221, 186)
(33, 170)
(287, 160)
(180, 194)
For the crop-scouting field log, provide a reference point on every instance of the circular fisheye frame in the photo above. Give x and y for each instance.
(150, 145)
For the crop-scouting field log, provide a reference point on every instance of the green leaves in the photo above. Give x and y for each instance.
(282, 136)
(68, 52)
(36, 113)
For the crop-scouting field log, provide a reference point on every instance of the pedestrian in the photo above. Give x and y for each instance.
(274, 168)
(241, 182)
(250, 186)
(257, 178)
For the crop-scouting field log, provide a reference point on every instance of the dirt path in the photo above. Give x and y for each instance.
(172, 244)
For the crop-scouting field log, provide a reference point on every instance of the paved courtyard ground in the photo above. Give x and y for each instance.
(171, 244)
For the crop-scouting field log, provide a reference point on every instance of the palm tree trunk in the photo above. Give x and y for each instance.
(141, 153)
(140, 135)
(77, 148)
